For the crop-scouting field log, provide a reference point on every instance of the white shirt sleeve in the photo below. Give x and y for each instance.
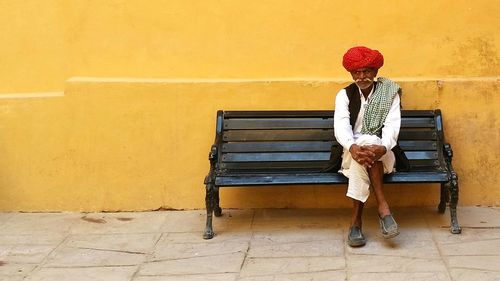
(342, 126)
(392, 124)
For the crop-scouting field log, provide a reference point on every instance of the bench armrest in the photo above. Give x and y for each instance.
(212, 155)
(448, 151)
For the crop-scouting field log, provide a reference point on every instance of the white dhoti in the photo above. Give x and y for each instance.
(359, 180)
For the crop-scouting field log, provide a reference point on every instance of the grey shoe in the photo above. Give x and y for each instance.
(356, 237)
(389, 227)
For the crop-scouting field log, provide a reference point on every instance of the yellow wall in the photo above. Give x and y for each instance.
(141, 142)
(46, 42)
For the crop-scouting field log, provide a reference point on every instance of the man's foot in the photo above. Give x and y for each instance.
(356, 237)
(388, 226)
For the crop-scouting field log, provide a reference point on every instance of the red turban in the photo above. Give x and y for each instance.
(362, 57)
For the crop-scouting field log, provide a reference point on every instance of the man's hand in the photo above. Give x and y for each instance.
(368, 154)
(362, 155)
(378, 151)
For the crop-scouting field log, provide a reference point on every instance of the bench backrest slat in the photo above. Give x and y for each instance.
(278, 146)
(408, 145)
(278, 123)
(307, 156)
(278, 135)
(276, 157)
(274, 166)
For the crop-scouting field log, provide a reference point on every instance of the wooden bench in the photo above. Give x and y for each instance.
(292, 147)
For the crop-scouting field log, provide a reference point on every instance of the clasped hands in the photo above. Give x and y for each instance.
(366, 155)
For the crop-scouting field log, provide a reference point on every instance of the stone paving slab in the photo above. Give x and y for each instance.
(249, 245)
(14, 270)
(255, 267)
(202, 277)
(227, 263)
(313, 276)
(190, 221)
(134, 243)
(474, 275)
(74, 257)
(24, 254)
(123, 273)
(124, 222)
(53, 239)
(170, 251)
(375, 263)
(399, 276)
(39, 223)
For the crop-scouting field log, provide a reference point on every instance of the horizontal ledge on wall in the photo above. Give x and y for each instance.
(31, 95)
(266, 80)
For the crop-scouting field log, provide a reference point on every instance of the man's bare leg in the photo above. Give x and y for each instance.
(357, 212)
(355, 238)
(388, 225)
(376, 174)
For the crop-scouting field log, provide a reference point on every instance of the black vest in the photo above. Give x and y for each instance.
(335, 162)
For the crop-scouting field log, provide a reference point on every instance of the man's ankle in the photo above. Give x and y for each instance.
(358, 224)
(384, 212)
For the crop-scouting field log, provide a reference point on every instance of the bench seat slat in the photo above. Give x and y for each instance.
(322, 178)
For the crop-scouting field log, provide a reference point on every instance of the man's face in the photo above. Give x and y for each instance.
(363, 77)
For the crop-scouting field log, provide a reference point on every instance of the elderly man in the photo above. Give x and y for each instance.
(367, 121)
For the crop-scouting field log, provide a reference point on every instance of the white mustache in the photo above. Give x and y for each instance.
(363, 80)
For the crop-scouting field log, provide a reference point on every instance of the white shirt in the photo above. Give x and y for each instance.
(346, 135)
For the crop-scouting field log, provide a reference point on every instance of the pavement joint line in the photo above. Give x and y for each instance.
(41, 264)
(289, 257)
(149, 255)
(470, 241)
(294, 242)
(480, 227)
(193, 257)
(477, 269)
(462, 255)
(90, 266)
(109, 250)
(293, 273)
(249, 244)
(185, 274)
(440, 251)
(395, 256)
(243, 262)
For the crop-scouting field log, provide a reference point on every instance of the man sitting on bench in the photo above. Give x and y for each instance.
(367, 121)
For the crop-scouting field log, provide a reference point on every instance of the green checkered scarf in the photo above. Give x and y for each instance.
(378, 106)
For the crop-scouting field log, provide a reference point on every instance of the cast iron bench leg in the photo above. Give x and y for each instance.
(454, 226)
(209, 202)
(217, 208)
(445, 198)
